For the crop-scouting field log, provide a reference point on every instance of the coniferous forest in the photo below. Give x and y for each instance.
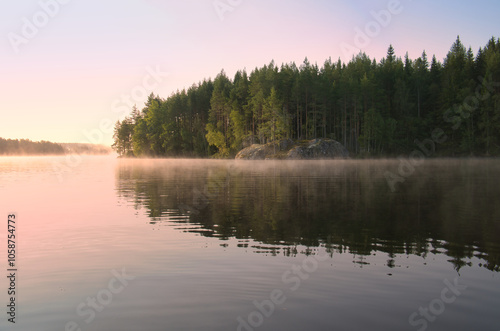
(374, 108)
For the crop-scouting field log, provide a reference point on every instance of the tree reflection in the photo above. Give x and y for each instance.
(447, 207)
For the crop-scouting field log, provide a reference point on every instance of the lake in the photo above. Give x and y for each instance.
(113, 244)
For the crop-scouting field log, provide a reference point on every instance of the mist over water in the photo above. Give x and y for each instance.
(206, 239)
(445, 204)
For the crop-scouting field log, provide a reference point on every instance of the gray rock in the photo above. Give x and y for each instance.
(318, 149)
(290, 150)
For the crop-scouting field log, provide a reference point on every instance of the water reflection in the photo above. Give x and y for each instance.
(445, 207)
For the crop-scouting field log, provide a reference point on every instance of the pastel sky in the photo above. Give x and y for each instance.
(67, 66)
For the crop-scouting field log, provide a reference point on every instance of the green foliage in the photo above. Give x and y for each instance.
(217, 139)
(274, 124)
(123, 137)
(372, 108)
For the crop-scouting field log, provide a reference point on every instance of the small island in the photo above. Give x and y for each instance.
(372, 108)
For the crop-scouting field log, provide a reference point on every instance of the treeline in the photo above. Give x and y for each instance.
(373, 108)
(28, 147)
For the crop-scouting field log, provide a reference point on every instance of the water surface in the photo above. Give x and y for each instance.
(209, 242)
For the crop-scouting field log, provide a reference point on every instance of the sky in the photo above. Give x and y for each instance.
(69, 69)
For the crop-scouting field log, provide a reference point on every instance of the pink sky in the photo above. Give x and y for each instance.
(67, 78)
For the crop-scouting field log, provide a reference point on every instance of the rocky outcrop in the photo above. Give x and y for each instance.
(290, 150)
(318, 149)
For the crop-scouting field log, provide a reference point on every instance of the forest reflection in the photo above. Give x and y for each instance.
(445, 207)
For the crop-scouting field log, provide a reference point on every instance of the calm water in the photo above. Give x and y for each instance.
(106, 244)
